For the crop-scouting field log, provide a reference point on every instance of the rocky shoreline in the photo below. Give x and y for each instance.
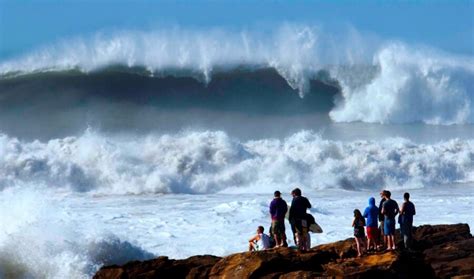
(439, 251)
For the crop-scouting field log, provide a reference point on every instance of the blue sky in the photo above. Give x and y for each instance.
(448, 25)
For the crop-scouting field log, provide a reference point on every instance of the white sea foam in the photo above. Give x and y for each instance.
(210, 162)
(415, 84)
(46, 234)
(38, 239)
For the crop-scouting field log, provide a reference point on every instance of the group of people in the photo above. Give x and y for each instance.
(380, 224)
(298, 218)
(385, 227)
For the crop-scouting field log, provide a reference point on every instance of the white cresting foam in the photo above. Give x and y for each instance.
(211, 162)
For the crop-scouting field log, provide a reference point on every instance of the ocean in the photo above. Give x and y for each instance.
(133, 145)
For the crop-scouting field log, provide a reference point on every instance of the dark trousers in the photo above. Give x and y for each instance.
(406, 230)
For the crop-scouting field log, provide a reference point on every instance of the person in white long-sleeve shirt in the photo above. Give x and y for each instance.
(260, 241)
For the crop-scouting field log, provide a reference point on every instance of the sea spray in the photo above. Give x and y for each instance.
(38, 239)
(199, 162)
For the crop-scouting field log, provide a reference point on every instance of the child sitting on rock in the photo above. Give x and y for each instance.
(359, 234)
(260, 241)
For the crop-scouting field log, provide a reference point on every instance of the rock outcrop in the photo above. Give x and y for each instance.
(440, 251)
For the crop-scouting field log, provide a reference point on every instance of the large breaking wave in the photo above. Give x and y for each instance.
(389, 82)
(210, 162)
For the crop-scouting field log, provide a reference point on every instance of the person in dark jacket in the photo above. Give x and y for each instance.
(406, 220)
(299, 224)
(381, 219)
(278, 209)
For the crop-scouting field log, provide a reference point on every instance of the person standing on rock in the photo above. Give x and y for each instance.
(358, 224)
(406, 220)
(372, 214)
(278, 209)
(381, 220)
(299, 224)
(389, 210)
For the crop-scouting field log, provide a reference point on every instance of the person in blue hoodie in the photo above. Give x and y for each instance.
(372, 213)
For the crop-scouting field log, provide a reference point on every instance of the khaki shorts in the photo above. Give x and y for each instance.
(278, 227)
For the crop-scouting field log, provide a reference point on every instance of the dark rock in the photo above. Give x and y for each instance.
(162, 267)
(452, 258)
(441, 251)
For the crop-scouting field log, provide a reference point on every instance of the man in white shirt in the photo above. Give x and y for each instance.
(260, 241)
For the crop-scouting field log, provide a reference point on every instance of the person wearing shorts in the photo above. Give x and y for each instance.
(381, 219)
(298, 221)
(389, 210)
(358, 224)
(372, 214)
(278, 209)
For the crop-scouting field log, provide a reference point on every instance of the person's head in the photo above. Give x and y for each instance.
(357, 213)
(277, 194)
(406, 196)
(387, 194)
(260, 229)
(382, 194)
(372, 201)
(296, 192)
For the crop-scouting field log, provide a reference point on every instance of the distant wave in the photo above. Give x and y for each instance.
(384, 83)
(211, 162)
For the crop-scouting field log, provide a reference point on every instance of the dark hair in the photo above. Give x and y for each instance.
(277, 194)
(260, 228)
(357, 213)
(296, 192)
(406, 196)
(388, 194)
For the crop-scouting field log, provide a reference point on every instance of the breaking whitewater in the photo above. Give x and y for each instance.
(137, 144)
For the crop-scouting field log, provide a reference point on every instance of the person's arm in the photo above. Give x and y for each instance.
(383, 209)
(402, 209)
(255, 238)
(414, 211)
(292, 208)
(366, 213)
(272, 208)
(309, 204)
(353, 222)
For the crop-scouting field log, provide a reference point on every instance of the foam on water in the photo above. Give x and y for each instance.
(38, 239)
(55, 235)
(211, 162)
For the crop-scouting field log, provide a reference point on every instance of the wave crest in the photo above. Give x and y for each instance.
(379, 83)
(413, 85)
